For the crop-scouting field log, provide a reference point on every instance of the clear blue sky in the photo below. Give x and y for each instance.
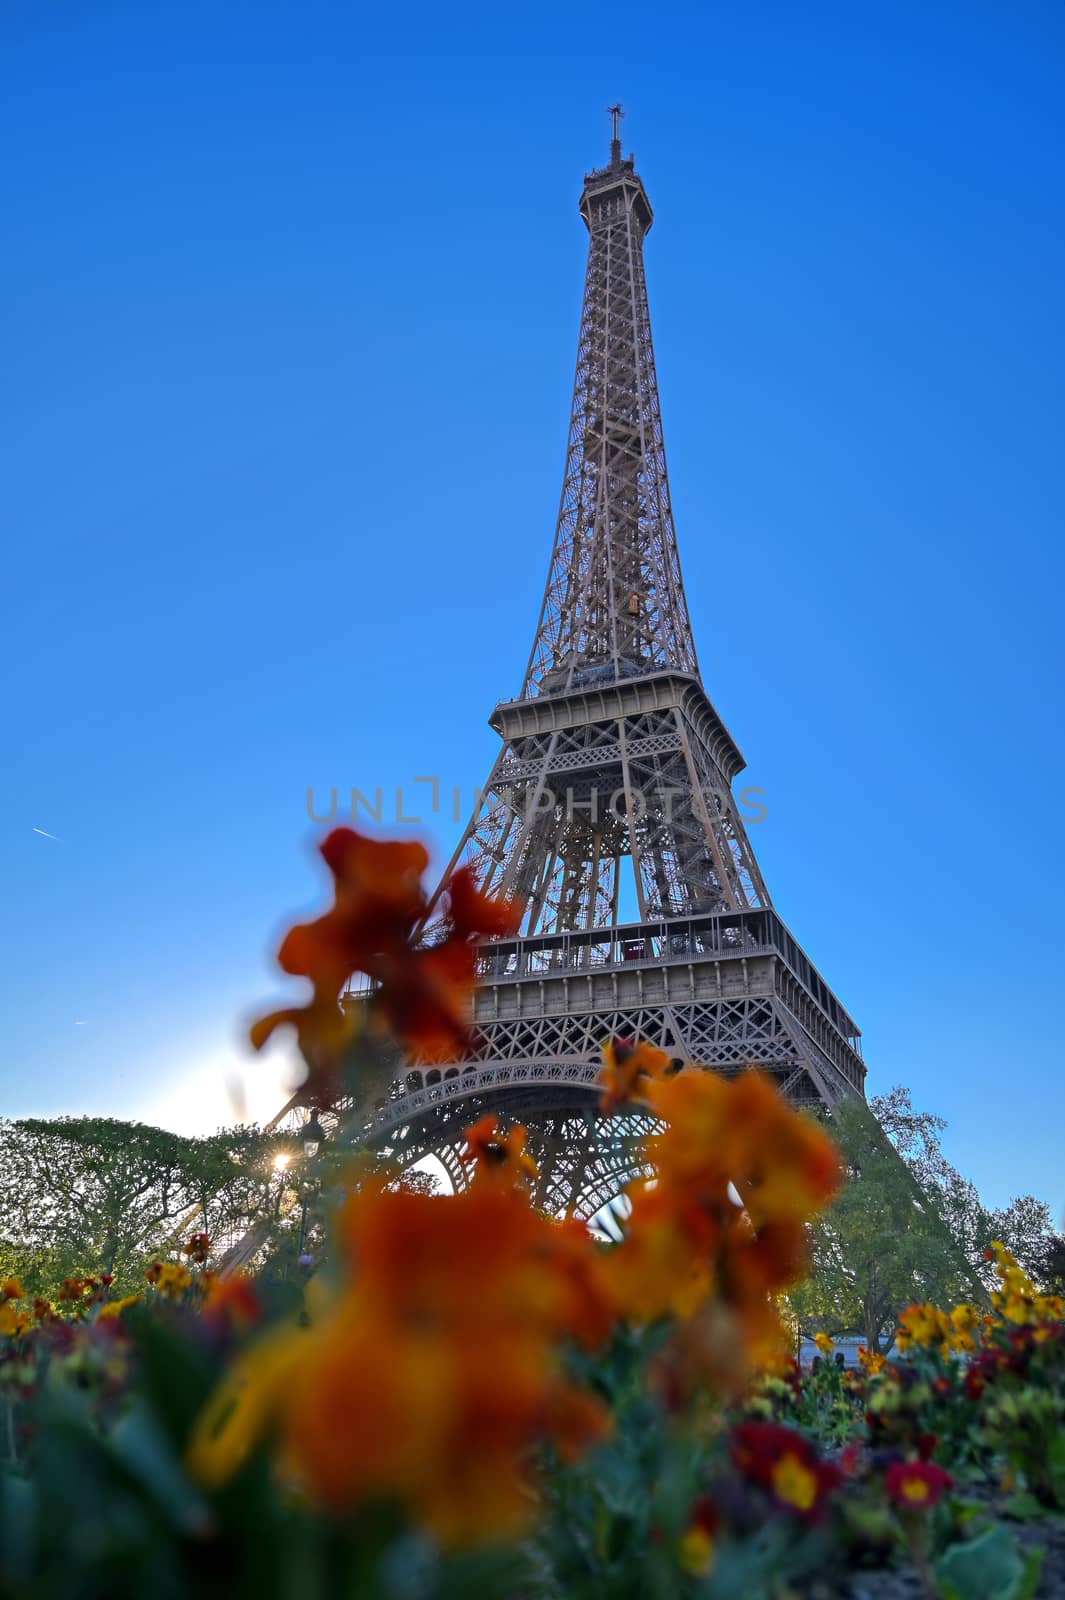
(290, 298)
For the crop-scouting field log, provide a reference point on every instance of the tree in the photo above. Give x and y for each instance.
(884, 1243)
(1024, 1226)
(96, 1195)
(1051, 1270)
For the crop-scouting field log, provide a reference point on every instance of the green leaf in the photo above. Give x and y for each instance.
(988, 1568)
(1055, 1464)
(142, 1448)
(177, 1374)
(1023, 1507)
(18, 1519)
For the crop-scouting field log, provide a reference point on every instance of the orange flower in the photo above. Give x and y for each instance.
(11, 1289)
(626, 1069)
(496, 1156)
(477, 915)
(196, 1248)
(430, 1378)
(323, 1033)
(378, 901)
(422, 994)
(663, 1267)
(426, 997)
(76, 1288)
(687, 1240)
(587, 1308)
(13, 1322)
(230, 1302)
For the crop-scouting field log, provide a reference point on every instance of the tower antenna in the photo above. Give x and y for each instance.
(616, 114)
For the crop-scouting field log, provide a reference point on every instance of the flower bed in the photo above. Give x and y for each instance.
(460, 1394)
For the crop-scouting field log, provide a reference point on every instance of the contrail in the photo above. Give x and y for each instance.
(46, 835)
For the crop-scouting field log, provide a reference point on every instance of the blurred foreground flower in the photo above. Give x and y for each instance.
(627, 1069)
(422, 993)
(497, 1156)
(786, 1463)
(720, 1228)
(431, 1373)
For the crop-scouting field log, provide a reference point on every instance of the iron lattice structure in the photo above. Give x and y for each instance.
(610, 800)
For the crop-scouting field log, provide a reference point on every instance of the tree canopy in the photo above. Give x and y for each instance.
(97, 1195)
(906, 1226)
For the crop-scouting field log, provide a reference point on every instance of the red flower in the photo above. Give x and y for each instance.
(195, 1248)
(75, 1288)
(783, 1461)
(916, 1485)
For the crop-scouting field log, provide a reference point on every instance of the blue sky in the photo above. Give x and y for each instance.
(291, 300)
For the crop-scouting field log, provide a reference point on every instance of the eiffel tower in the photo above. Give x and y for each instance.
(609, 813)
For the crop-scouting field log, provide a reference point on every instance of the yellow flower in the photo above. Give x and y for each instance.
(11, 1289)
(794, 1482)
(13, 1322)
(923, 1326)
(823, 1343)
(169, 1278)
(115, 1308)
(696, 1554)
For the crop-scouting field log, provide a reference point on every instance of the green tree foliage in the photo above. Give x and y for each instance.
(882, 1245)
(96, 1195)
(1051, 1270)
(1024, 1226)
(907, 1226)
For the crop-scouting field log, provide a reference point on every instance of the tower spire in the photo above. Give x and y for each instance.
(614, 603)
(616, 113)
